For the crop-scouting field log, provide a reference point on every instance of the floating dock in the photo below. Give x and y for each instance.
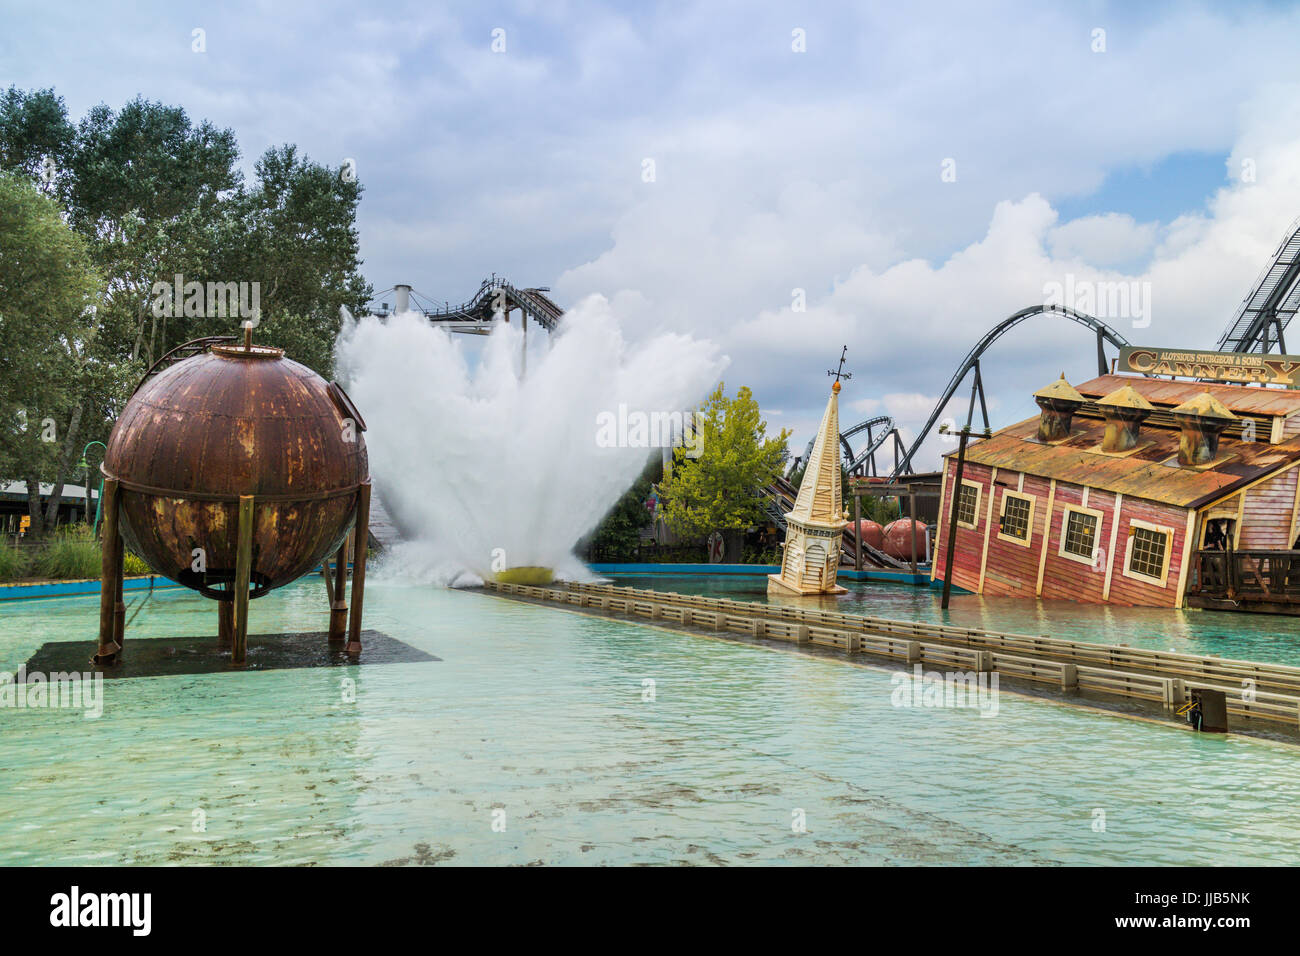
(1254, 691)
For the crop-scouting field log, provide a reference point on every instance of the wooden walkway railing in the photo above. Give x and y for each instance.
(1250, 580)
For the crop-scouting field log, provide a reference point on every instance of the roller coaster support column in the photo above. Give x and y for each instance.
(1096, 325)
(1101, 354)
(1274, 322)
(978, 386)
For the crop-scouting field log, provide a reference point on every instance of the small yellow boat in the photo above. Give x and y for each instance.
(530, 575)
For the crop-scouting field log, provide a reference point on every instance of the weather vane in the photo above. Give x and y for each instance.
(840, 373)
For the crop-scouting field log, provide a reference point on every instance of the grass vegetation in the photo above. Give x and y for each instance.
(72, 553)
(13, 563)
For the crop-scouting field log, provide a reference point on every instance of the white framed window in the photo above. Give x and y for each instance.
(1146, 557)
(1016, 522)
(1081, 535)
(968, 504)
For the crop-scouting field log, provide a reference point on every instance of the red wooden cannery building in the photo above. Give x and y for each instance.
(1125, 490)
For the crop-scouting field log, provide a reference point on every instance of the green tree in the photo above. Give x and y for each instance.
(146, 187)
(48, 289)
(35, 135)
(720, 489)
(618, 534)
(882, 510)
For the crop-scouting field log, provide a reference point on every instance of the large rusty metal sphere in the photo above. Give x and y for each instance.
(231, 422)
(899, 536)
(871, 533)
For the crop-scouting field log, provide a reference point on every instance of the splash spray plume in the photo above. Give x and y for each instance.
(484, 468)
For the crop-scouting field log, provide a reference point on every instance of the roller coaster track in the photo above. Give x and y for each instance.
(1104, 334)
(496, 297)
(1271, 304)
(875, 439)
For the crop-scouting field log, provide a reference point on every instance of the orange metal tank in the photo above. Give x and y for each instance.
(871, 533)
(898, 543)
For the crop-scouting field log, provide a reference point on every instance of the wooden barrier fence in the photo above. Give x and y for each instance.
(1255, 690)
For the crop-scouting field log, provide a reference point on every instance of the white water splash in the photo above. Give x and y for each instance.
(469, 460)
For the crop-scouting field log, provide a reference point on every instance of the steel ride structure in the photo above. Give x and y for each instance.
(496, 298)
(1271, 303)
(879, 430)
(778, 500)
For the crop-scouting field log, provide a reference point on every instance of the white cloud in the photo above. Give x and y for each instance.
(1113, 239)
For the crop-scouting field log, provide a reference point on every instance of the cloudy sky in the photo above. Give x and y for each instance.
(912, 173)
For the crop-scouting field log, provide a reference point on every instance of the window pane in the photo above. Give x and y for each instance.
(966, 504)
(1015, 517)
(1148, 555)
(1080, 534)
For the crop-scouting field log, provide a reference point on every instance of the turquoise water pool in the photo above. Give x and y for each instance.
(1256, 637)
(536, 719)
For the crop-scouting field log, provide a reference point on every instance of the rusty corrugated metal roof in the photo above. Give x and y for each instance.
(1161, 392)
(1151, 472)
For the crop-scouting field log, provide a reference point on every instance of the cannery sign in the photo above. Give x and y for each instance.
(1241, 367)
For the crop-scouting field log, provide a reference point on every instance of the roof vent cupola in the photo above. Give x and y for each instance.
(1058, 403)
(1202, 419)
(1124, 410)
